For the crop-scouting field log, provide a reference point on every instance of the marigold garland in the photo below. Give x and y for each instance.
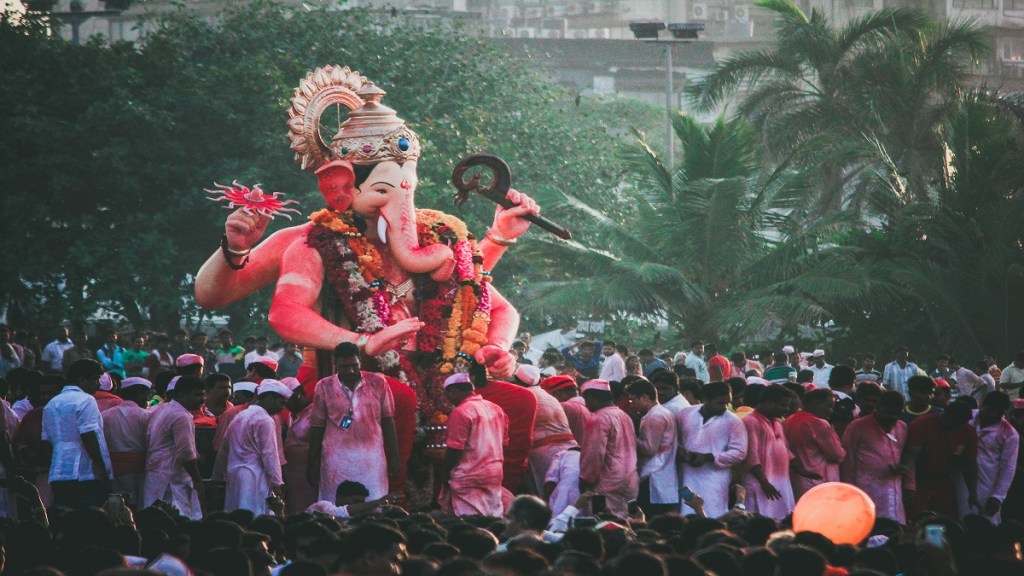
(456, 311)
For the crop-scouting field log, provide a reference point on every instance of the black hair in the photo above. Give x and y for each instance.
(642, 388)
(346, 350)
(351, 488)
(693, 386)
(841, 376)
(83, 368)
(920, 384)
(715, 389)
(262, 370)
(187, 384)
(530, 511)
(216, 377)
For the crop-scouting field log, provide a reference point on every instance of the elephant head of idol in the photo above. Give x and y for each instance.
(369, 166)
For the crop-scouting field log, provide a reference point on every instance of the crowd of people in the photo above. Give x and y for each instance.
(190, 454)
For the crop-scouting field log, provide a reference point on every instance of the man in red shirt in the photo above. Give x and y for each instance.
(521, 407)
(939, 445)
(719, 367)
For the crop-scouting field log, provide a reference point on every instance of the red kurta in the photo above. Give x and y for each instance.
(521, 407)
(816, 444)
(943, 451)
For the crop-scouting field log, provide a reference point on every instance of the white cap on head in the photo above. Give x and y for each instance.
(106, 382)
(819, 353)
(173, 383)
(788, 349)
(528, 374)
(244, 387)
(275, 386)
(291, 382)
(596, 385)
(757, 380)
(458, 378)
(135, 381)
(188, 360)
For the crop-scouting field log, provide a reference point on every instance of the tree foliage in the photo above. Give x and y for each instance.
(106, 150)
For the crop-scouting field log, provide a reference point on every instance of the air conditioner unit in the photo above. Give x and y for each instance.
(741, 13)
(722, 16)
(699, 11)
(525, 32)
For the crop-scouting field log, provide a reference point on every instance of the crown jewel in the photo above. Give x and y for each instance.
(374, 133)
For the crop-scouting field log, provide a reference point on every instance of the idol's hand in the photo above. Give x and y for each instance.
(244, 230)
(499, 362)
(393, 336)
(508, 222)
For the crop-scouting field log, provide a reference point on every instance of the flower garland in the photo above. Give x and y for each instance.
(456, 311)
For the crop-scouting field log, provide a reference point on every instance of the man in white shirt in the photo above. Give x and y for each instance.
(1013, 375)
(350, 502)
(614, 367)
(695, 361)
(820, 368)
(897, 372)
(656, 450)
(125, 429)
(968, 383)
(251, 448)
(172, 461)
(262, 351)
(80, 465)
(53, 354)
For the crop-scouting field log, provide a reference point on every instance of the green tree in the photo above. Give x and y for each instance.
(846, 101)
(712, 247)
(107, 149)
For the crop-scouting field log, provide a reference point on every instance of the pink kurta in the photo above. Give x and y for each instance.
(998, 445)
(608, 458)
(480, 430)
(870, 451)
(253, 463)
(355, 454)
(551, 436)
(296, 450)
(723, 437)
(767, 448)
(170, 443)
(124, 427)
(816, 444)
(578, 415)
(656, 454)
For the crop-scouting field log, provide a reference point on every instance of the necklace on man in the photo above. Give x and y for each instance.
(399, 291)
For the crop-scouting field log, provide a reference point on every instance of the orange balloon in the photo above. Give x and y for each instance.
(841, 512)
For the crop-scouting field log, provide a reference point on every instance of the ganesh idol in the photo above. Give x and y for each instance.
(410, 287)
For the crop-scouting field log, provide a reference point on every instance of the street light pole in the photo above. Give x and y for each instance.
(670, 141)
(680, 33)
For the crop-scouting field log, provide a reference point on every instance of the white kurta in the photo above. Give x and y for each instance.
(253, 463)
(656, 454)
(170, 443)
(565, 473)
(722, 436)
(997, 460)
(125, 429)
(357, 453)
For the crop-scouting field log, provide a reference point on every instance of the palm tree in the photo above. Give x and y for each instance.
(843, 101)
(712, 247)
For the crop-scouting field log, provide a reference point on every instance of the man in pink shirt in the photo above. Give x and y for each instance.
(520, 406)
(352, 428)
(874, 449)
(608, 454)
(767, 466)
(124, 428)
(813, 440)
(998, 445)
(551, 432)
(564, 389)
(472, 470)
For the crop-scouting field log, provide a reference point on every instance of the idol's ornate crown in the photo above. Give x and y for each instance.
(374, 133)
